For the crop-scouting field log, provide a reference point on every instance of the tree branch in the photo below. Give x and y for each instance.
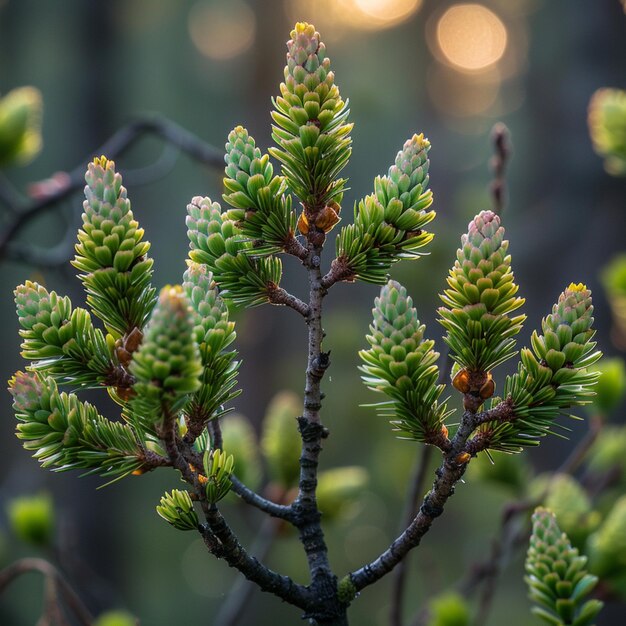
(449, 473)
(73, 601)
(235, 555)
(277, 295)
(501, 140)
(281, 511)
(26, 210)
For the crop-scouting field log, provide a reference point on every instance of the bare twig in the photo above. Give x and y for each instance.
(61, 588)
(411, 508)
(278, 295)
(24, 211)
(509, 537)
(501, 140)
(233, 607)
(448, 475)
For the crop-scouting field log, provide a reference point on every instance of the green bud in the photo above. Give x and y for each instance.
(217, 242)
(116, 618)
(111, 253)
(389, 223)
(280, 442)
(20, 126)
(240, 441)
(311, 133)
(176, 508)
(218, 467)
(261, 206)
(607, 452)
(32, 518)
(610, 387)
(607, 546)
(65, 433)
(569, 502)
(167, 366)
(607, 126)
(557, 579)
(449, 609)
(339, 489)
(401, 364)
(480, 297)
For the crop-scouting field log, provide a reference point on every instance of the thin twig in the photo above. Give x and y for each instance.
(24, 212)
(400, 573)
(71, 598)
(501, 140)
(447, 476)
(487, 572)
(236, 556)
(279, 296)
(233, 607)
(281, 511)
(411, 508)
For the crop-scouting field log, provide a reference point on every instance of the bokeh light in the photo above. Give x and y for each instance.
(471, 37)
(222, 31)
(332, 17)
(385, 13)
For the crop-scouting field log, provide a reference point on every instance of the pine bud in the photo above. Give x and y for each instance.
(20, 126)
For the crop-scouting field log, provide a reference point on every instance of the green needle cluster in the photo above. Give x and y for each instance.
(216, 242)
(111, 253)
(388, 224)
(480, 296)
(553, 376)
(310, 129)
(65, 433)
(401, 364)
(213, 333)
(261, 207)
(62, 342)
(557, 579)
(176, 508)
(167, 366)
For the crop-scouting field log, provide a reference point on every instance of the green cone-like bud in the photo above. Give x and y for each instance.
(240, 441)
(388, 224)
(63, 343)
(311, 133)
(20, 126)
(607, 547)
(218, 467)
(176, 508)
(65, 433)
(216, 242)
(553, 377)
(32, 518)
(557, 580)
(611, 386)
(607, 126)
(569, 502)
(449, 609)
(261, 209)
(401, 364)
(480, 296)
(213, 333)
(280, 442)
(167, 366)
(339, 489)
(111, 253)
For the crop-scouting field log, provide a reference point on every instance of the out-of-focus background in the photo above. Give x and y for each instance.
(447, 69)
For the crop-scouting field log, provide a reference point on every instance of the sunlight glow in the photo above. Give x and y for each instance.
(222, 31)
(471, 37)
